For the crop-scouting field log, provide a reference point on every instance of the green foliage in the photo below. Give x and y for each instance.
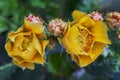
(3, 24)
(89, 5)
(38, 3)
(59, 65)
(104, 67)
(115, 41)
(6, 71)
(14, 11)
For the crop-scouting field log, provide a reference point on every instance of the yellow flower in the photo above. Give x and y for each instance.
(84, 39)
(26, 46)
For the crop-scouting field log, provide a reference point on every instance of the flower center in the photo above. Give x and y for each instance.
(85, 39)
(27, 41)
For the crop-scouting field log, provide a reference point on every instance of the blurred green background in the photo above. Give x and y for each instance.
(58, 66)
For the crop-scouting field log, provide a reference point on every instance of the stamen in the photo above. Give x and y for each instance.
(85, 39)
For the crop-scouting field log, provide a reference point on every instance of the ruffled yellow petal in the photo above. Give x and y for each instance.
(13, 48)
(83, 19)
(27, 65)
(41, 36)
(82, 60)
(19, 61)
(18, 43)
(44, 44)
(29, 53)
(67, 28)
(97, 50)
(12, 36)
(35, 27)
(20, 29)
(64, 40)
(88, 23)
(24, 65)
(37, 44)
(39, 59)
(17, 58)
(74, 58)
(8, 47)
(85, 60)
(73, 41)
(77, 15)
(100, 31)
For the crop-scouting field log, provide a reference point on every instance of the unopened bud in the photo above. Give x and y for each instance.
(96, 16)
(34, 19)
(56, 27)
(33, 23)
(113, 20)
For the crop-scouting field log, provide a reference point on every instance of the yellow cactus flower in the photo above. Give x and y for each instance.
(84, 39)
(26, 46)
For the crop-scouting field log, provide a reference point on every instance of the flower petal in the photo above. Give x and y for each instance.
(82, 60)
(35, 27)
(37, 44)
(100, 31)
(39, 59)
(44, 44)
(17, 58)
(8, 46)
(64, 39)
(97, 50)
(29, 53)
(24, 65)
(77, 15)
(12, 36)
(89, 22)
(67, 28)
(21, 29)
(85, 60)
(74, 43)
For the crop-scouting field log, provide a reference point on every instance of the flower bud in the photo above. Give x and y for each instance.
(113, 20)
(56, 27)
(34, 19)
(96, 16)
(33, 23)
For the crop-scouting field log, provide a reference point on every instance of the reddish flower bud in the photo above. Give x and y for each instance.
(56, 27)
(96, 16)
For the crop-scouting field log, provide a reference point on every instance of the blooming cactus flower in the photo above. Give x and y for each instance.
(85, 38)
(26, 46)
